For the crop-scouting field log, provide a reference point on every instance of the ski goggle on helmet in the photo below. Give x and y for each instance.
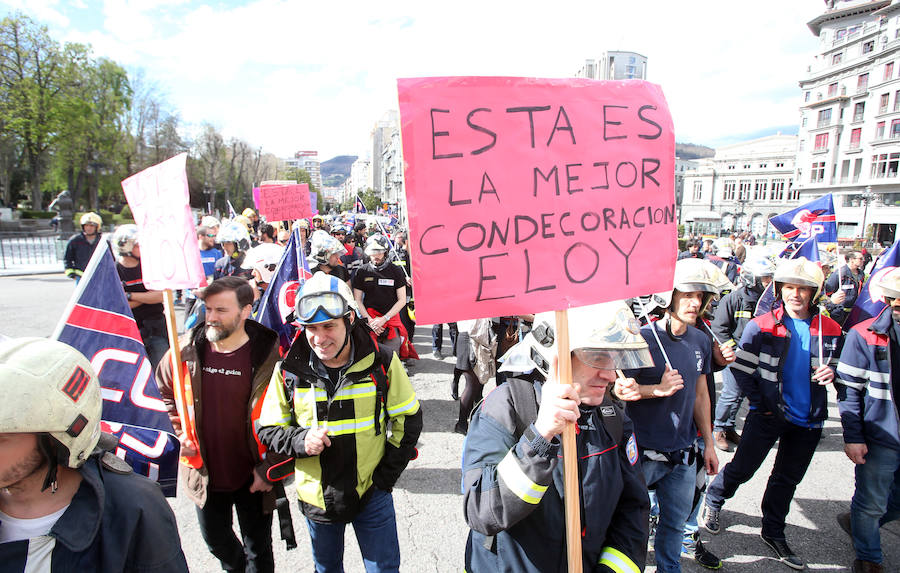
(323, 298)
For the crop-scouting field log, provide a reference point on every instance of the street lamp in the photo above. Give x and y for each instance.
(867, 197)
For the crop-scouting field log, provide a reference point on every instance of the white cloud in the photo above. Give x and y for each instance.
(288, 75)
(45, 11)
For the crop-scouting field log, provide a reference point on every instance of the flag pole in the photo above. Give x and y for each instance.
(571, 491)
(181, 385)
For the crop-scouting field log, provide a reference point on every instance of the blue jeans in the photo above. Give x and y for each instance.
(376, 532)
(876, 500)
(729, 402)
(437, 337)
(675, 495)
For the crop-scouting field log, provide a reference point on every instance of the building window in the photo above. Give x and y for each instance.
(883, 106)
(897, 100)
(793, 194)
(859, 111)
(895, 129)
(777, 189)
(760, 186)
(698, 191)
(803, 121)
(839, 34)
(763, 165)
(801, 144)
(855, 136)
(728, 195)
(824, 118)
(888, 70)
(868, 47)
(821, 142)
(862, 83)
(885, 165)
(731, 166)
(836, 58)
(817, 173)
(746, 166)
(779, 164)
(832, 89)
(806, 96)
(879, 130)
(744, 190)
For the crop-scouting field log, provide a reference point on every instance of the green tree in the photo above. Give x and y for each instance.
(32, 85)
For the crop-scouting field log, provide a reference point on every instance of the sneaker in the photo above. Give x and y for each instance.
(692, 547)
(711, 520)
(437, 355)
(785, 555)
(721, 441)
(654, 520)
(732, 436)
(843, 520)
(867, 567)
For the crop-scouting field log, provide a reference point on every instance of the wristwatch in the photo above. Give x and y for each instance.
(128, 295)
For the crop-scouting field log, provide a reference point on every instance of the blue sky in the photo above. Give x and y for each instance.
(291, 75)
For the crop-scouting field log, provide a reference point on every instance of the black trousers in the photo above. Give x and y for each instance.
(255, 555)
(795, 451)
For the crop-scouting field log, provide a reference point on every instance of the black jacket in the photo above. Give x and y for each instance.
(117, 521)
(78, 254)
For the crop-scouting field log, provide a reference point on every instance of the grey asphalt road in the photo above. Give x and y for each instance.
(427, 499)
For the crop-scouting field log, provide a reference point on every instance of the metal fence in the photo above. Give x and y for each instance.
(22, 250)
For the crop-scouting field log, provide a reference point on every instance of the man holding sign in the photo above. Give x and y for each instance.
(513, 494)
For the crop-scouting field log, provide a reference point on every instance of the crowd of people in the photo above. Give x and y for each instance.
(336, 408)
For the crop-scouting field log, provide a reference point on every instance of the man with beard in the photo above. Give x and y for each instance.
(229, 359)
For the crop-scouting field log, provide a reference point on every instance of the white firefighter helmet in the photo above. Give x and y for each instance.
(604, 336)
(693, 275)
(756, 268)
(234, 232)
(49, 387)
(264, 257)
(376, 243)
(125, 238)
(799, 271)
(91, 218)
(889, 283)
(323, 245)
(322, 298)
(209, 221)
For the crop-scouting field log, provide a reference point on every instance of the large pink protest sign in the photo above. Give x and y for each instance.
(284, 202)
(159, 200)
(528, 195)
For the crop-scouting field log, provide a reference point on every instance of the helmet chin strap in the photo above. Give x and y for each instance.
(46, 447)
(347, 326)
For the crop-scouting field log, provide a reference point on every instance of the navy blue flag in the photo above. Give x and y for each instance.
(278, 301)
(99, 324)
(870, 301)
(813, 219)
(360, 208)
(808, 249)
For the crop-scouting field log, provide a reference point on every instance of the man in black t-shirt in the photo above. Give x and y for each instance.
(379, 288)
(146, 305)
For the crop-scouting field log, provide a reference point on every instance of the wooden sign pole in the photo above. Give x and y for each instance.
(572, 493)
(184, 396)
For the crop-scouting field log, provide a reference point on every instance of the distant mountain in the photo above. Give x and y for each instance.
(693, 151)
(336, 170)
(763, 132)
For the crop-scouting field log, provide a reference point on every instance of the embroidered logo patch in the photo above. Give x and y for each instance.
(631, 450)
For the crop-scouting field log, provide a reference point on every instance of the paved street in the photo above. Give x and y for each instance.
(432, 531)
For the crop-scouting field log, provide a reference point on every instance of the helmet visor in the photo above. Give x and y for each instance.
(331, 304)
(613, 359)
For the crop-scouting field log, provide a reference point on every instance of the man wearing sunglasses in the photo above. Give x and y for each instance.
(345, 409)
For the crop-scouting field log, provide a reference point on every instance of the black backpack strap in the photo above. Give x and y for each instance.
(611, 414)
